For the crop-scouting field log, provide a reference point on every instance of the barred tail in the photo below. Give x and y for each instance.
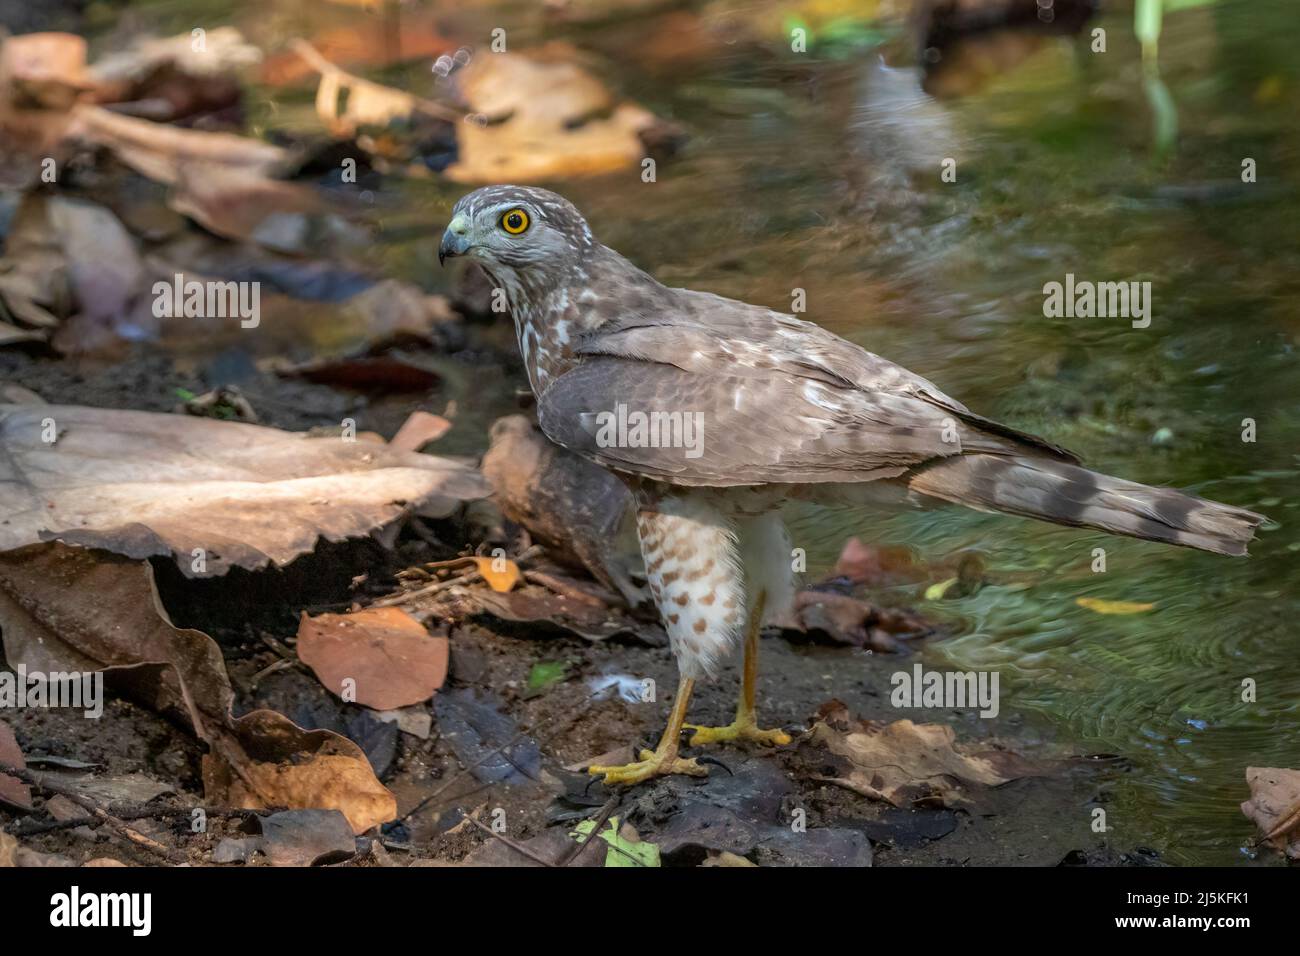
(1066, 494)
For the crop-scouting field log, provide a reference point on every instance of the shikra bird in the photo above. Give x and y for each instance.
(715, 412)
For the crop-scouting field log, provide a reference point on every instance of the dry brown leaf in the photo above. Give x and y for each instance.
(12, 790)
(211, 494)
(541, 119)
(53, 617)
(1274, 807)
(235, 201)
(903, 762)
(380, 657)
(280, 764)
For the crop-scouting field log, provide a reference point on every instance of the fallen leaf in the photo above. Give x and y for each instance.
(13, 791)
(501, 574)
(1113, 607)
(1274, 807)
(418, 430)
(279, 764)
(487, 742)
(905, 763)
(126, 788)
(543, 675)
(416, 721)
(239, 202)
(107, 275)
(537, 117)
(8, 850)
(53, 618)
(306, 838)
(552, 844)
(211, 494)
(935, 592)
(844, 619)
(380, 657)
(623, 850)
(876, 566)
(160, 152)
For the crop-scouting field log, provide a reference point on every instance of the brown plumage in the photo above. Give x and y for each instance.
(786, 410)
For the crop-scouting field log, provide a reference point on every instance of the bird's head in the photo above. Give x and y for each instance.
(519, 234)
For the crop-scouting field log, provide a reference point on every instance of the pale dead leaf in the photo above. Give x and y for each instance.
(1274, 807)
(540, 120)
(418, 430)
(141, 484)
(379, 657)
(903, 762)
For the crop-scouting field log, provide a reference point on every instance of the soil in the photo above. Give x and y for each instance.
(1019, 823)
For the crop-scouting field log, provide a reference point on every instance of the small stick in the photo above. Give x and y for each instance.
(511, 843)
(312, 57)
(116, 824)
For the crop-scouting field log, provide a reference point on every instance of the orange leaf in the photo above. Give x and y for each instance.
(380, 657)
(501, 574)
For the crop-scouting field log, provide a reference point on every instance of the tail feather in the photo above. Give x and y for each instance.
(1067, 494)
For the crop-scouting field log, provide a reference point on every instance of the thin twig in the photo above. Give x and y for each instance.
(511, 843)
(116, 824)
(605, 812)
(312, 57)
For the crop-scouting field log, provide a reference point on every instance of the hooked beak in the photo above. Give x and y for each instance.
(455, 241)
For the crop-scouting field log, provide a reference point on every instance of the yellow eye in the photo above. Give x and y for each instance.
(514, 221)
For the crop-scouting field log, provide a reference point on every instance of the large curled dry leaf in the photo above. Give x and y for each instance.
(55, 616)
(1274, 807)
(535, 118)
(903, 762)
(382, 654)
(211, 494)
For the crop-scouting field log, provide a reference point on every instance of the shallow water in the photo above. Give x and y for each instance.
(823, 174)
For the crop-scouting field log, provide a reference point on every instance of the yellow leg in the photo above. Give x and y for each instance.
(745, 726)
(663, 759)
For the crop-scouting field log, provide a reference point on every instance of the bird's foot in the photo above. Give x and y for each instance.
(653, 763)
(739, 729)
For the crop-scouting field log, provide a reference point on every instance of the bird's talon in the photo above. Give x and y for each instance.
(715, 760)
(737, 730)
(651, 764)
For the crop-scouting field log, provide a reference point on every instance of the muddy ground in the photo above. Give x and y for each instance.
(1041, 820)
